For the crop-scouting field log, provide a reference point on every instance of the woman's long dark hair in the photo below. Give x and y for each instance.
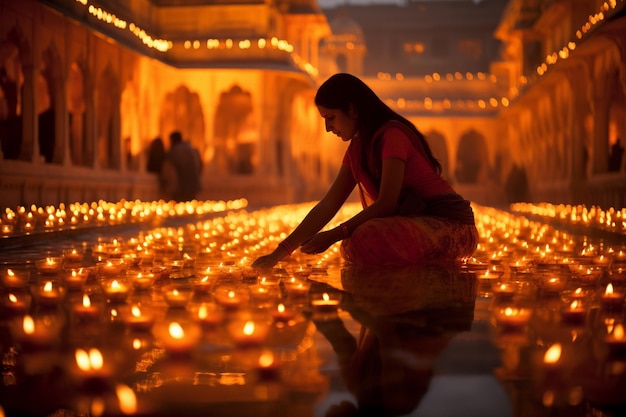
(342, 90)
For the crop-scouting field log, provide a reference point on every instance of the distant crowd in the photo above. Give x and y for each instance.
(179, 168)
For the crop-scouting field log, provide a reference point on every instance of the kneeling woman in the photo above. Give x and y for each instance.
(411, 215)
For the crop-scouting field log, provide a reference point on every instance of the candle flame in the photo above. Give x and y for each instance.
(48, 286)
(115, 284)
(137, 344)
(96, 360)
(91, 360)
(248, 328)
(50, 261)
(231, 294)
(28, 325)
(325, 297)
(203, 312)
(175, 293)
(578, 291)
(553, 354)
(281, 308)
(82, 360)
(86, 301)
(12, 298)
(266, 359)
(618, 332)
(10, 273)
(609, 289)
(126, 398)
(575, 304)
(135, 311)
(176, 330)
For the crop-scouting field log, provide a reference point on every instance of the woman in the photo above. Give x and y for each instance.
(410, 213)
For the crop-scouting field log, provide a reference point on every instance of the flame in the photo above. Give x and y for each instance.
(115, 284)
(12, 298)
(176, 330)
(50, 261)
(48, 286)
(553, 354)
(135, 311)
(203, 313)
(575, 304)
(10, 273)
(231, 294)
(28, 325)
(578, 291)
(325, 297)
(91, 360)
(609, 289)
(86, 301)
(95, 358)
(82, 360)
(618, 332)
(266, 359)
(127, 399)
(281, 308)
(137, 344)
(248, 328)
(175, 293)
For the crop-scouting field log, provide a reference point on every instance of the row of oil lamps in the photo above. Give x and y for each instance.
(37, 219)
(176, 283)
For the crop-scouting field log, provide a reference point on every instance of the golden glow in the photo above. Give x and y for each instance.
(248, 328)
(553, 354)
(127, 400)
(28, 325)
(176, 331)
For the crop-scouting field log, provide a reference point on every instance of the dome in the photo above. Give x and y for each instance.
(343, 26)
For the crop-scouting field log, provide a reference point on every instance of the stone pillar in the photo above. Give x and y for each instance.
(600, 133)
(30, 146)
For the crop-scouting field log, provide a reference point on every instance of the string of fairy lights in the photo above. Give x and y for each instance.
(428, 103)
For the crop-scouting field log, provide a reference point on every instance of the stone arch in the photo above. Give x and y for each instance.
(236, 133)
(77, 114)
(129, 126)
(438, 145)
(11, 101)
(49, 97)
(107, 142)
(15, 53)
(617, 123)
(471, 158)
(183, 111)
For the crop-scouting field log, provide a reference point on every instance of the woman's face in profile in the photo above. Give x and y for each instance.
(339, 122)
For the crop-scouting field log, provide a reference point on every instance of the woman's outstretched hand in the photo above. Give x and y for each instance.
(319, 242)
(268, 261)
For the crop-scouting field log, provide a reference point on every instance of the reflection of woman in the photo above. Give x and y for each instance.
(410, 213)
(388, 367)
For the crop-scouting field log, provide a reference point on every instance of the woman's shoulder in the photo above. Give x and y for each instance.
(393, 127)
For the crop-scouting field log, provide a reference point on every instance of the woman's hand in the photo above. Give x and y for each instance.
(319, 242)
(268, 261)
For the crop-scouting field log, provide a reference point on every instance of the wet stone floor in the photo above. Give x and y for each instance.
(514, 331)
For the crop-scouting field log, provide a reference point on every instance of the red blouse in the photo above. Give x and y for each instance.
(419, 174)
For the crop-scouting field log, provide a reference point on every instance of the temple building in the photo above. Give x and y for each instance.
(521, 100)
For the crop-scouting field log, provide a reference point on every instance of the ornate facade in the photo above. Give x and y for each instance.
(523, 102)
(87, 85)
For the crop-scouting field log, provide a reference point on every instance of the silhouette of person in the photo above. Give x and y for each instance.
(615, 158)
(181, 170)
(408, 316)
(156, 155)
